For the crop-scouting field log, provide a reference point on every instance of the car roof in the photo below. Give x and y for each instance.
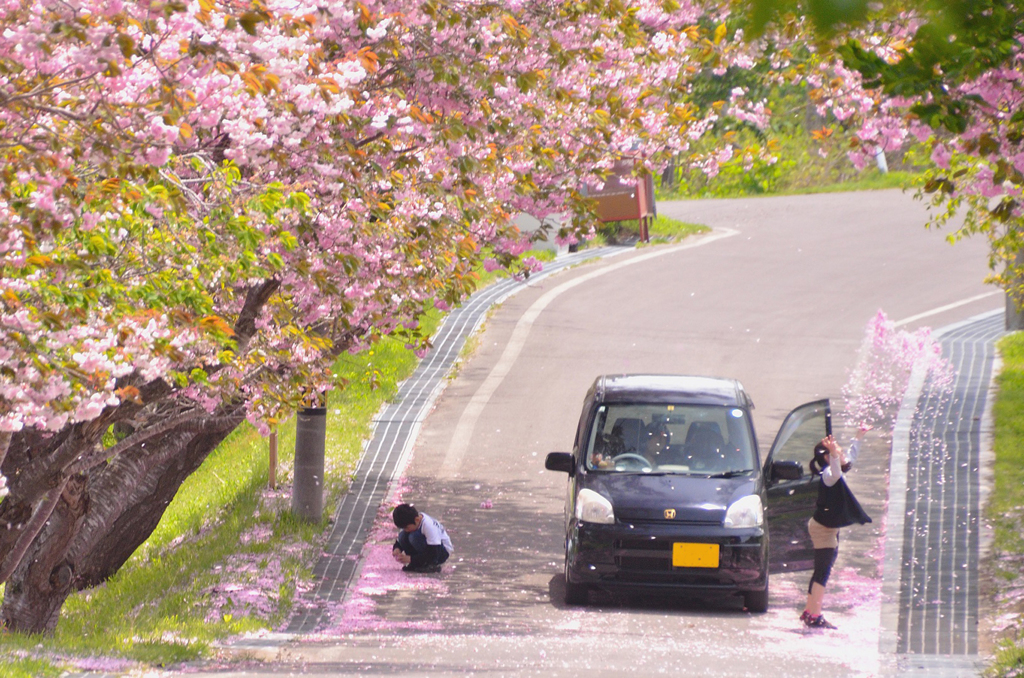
(671, 388)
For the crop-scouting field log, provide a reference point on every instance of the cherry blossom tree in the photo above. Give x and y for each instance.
(203, 204)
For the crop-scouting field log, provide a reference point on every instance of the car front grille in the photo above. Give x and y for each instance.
(673, 523)
(644, 545)
(639, 563)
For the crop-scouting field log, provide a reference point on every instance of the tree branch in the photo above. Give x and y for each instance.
(255, 299)
(86, 462)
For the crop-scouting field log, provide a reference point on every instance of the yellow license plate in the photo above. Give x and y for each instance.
(694, 555)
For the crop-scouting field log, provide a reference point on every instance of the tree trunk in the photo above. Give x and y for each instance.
(103, 556)
(102, 518)
(1014, 300)
(39, 585)
(113, 497)
(1014, 316)
(668, 176)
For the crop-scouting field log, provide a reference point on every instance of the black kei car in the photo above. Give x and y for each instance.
(667, 489)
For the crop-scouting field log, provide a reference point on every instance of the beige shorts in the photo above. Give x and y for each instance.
(823, 537)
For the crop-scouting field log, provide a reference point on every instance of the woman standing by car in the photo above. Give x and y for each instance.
(836, 508)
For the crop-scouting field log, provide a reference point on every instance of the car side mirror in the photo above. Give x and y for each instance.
(787, 470)
(560, 461)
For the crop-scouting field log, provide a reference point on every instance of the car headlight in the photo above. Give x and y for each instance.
(747, 512)
(593, 508)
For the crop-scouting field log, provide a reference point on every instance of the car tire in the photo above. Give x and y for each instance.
(757, 601)
(575, 594)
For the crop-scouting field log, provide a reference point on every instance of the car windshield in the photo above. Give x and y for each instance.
(706, 440)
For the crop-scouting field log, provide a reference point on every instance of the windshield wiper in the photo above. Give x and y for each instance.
(732, 474)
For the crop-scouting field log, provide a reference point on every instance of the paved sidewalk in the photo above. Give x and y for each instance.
(930, 608)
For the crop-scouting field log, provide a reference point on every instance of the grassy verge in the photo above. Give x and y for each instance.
(666, 229)
(662, 230)
(1005, 510)
(867, 180)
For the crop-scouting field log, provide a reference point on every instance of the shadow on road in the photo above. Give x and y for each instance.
(506, 573)
(656, 603)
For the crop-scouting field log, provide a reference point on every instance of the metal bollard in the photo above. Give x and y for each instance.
(310, 444)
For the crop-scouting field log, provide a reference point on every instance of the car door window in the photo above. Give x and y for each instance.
(792, 488)
(803, 428)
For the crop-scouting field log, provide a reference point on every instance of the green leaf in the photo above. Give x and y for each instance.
(126, 44)
(249, 21)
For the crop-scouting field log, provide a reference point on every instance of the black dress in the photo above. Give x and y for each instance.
(837, 507)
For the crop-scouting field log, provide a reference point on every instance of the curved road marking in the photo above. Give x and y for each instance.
(467, 422)
(947, 307)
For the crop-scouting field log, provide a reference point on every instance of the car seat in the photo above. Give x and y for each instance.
(704, 447)
(628, 430)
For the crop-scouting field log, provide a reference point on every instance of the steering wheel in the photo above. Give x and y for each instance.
(636, 458)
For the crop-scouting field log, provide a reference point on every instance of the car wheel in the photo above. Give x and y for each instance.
(575, 594)
(757, 601)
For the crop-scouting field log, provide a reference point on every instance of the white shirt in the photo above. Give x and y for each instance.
(834, 471)
(435, 534)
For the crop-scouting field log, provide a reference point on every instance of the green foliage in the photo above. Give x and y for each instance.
(978, 214)
(1005, 510)
(799, 152)
(957, 40)
(828, 15)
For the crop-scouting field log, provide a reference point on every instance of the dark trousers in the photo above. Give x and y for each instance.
(824, 559)
(415, 544)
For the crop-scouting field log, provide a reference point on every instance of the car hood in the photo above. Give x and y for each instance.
(642, 497)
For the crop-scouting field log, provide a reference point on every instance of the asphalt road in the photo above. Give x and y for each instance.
(778, 296)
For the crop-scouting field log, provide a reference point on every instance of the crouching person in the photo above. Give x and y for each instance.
(422, 544)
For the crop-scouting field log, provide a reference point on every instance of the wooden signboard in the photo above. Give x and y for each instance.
(618, 201)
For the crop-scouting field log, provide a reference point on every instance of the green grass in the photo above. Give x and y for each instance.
(870, 179)
(662, 230)
(666, 229)
(1005, 509)
(17, 667)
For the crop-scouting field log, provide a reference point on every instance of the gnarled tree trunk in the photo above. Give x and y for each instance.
(103, 515)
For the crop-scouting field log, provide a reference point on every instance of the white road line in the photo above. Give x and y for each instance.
(947, 307)
(467, 422)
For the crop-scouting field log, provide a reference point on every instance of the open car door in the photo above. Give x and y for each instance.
(792, 488)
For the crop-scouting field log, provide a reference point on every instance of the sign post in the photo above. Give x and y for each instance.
(310, 447)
